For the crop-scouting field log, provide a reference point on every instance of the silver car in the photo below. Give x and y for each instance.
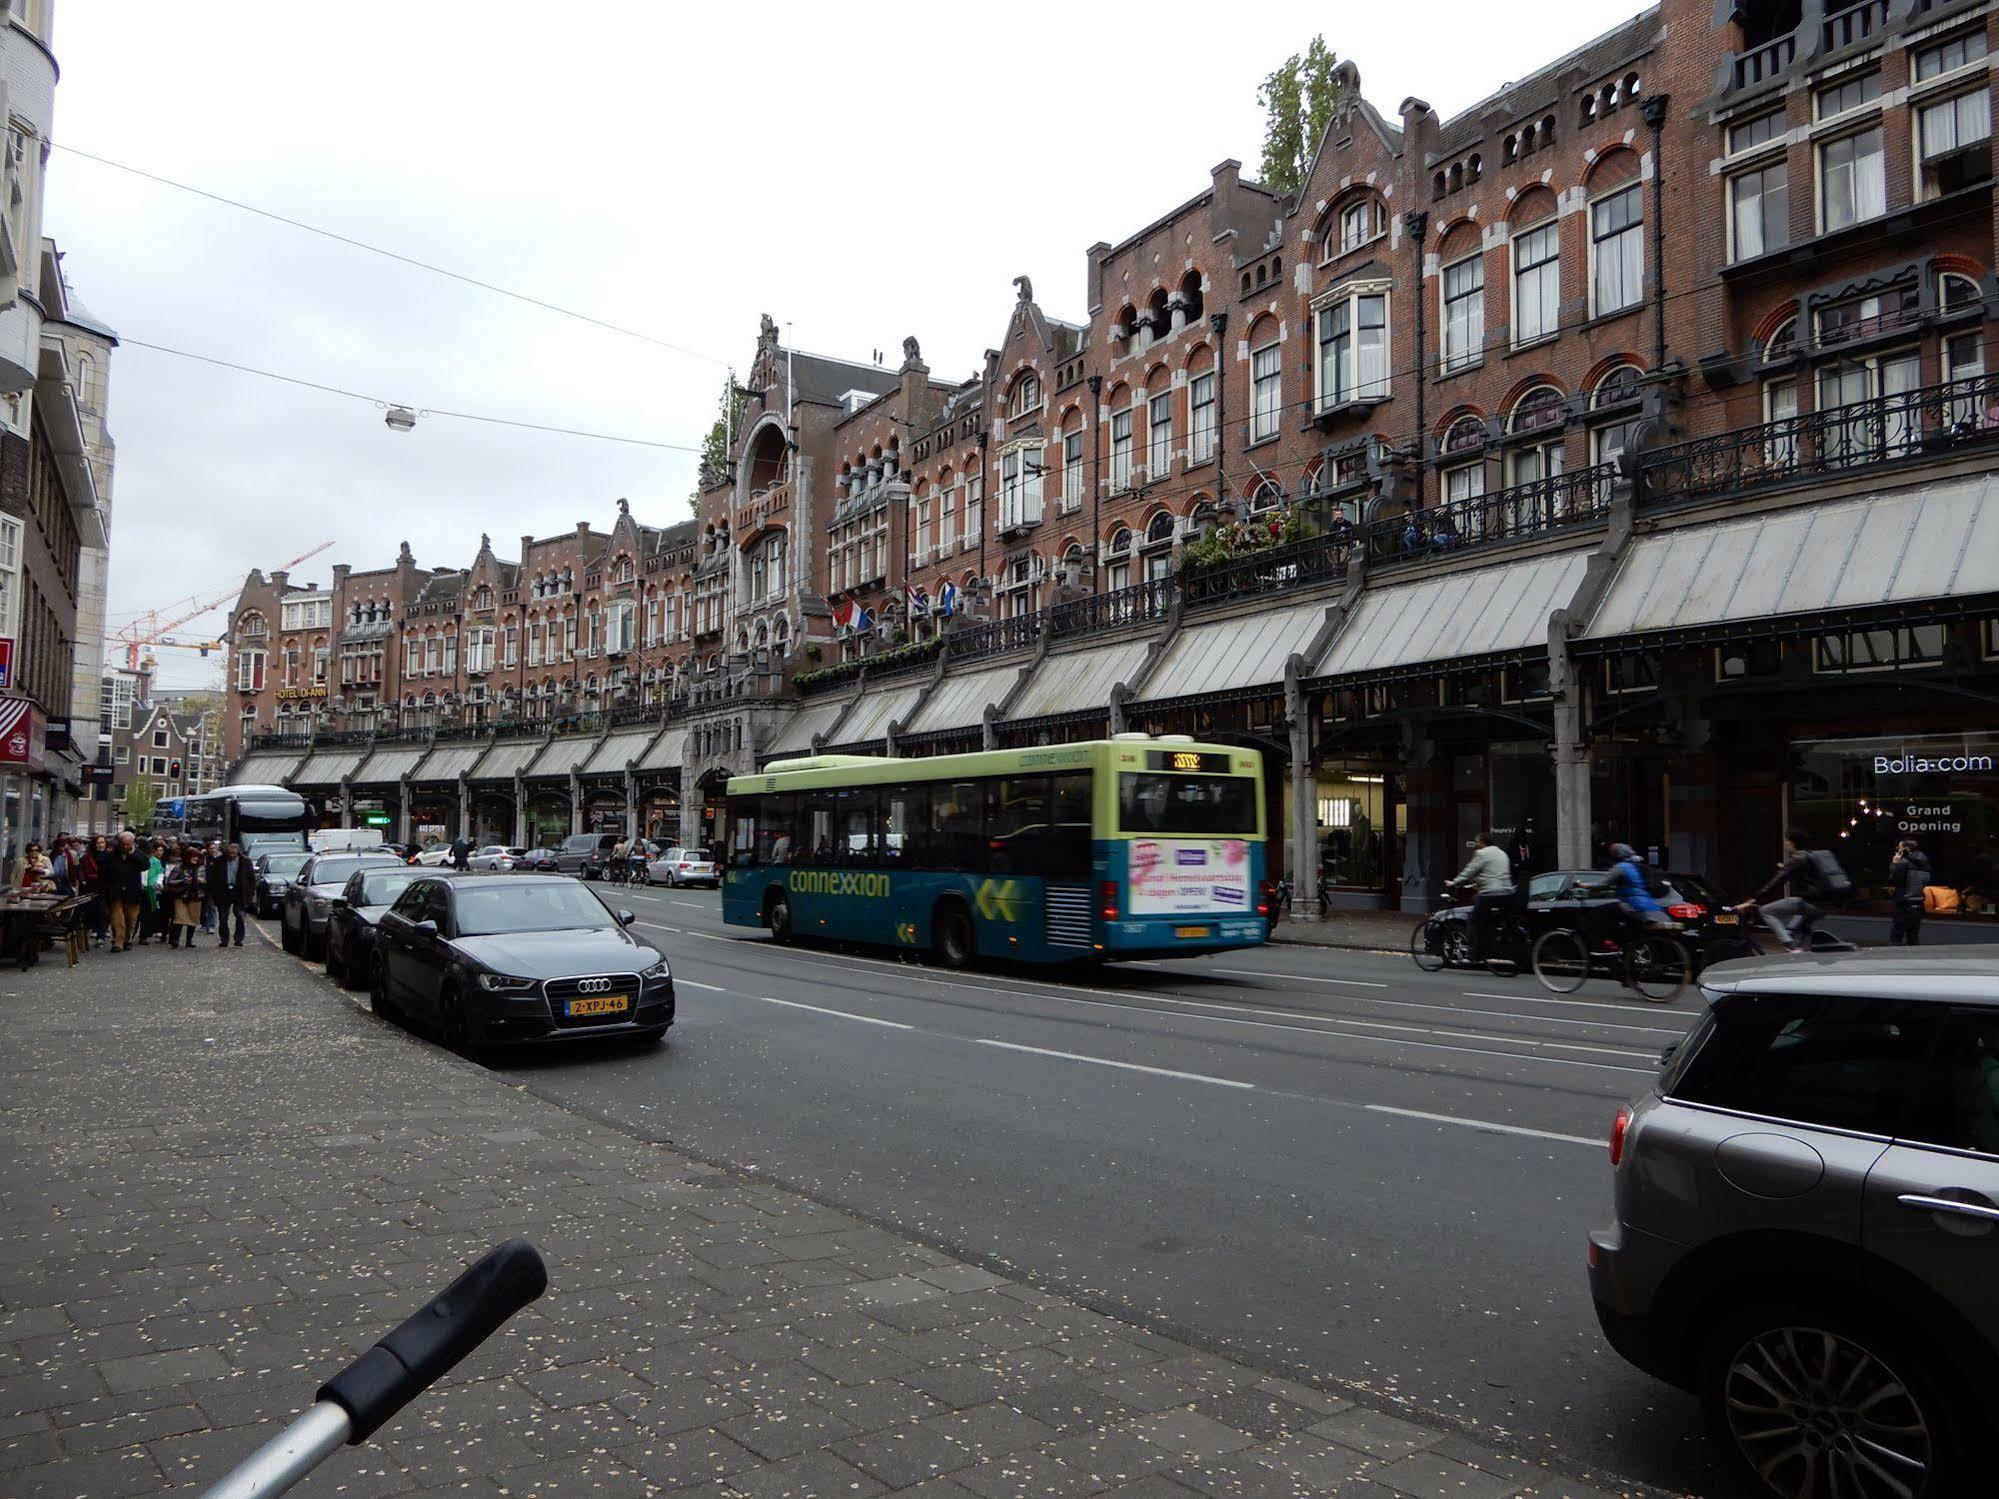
(1807, 1229)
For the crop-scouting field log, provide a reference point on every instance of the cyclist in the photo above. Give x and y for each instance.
(1490, 875)
(1816, 881)
(616, 868)
(636, 862)
(1633, 889)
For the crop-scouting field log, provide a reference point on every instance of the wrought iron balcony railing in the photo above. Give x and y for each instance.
(1278, 569)
(1137, 603)
(1545, 506)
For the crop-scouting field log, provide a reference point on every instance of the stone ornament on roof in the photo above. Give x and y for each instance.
(1025, 288)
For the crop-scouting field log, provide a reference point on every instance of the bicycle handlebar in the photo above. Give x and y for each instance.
(407, 1361)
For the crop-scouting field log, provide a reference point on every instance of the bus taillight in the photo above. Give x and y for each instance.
(1107, 900)
(1266, 898)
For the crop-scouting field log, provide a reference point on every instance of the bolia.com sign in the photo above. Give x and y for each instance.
(1918, 765)
(1937, 816)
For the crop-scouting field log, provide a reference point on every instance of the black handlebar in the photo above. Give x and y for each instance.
(409, 1360)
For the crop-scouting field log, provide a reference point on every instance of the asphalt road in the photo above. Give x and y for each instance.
(1322, 1161)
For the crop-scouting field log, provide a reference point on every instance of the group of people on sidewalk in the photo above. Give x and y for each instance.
(135, 891)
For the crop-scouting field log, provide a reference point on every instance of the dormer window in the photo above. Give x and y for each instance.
(1360, 221)
(1025, 396)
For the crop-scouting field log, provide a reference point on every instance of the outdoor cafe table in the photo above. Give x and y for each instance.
(23, 919)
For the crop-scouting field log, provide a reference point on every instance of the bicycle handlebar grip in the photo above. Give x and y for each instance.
(409, 1360)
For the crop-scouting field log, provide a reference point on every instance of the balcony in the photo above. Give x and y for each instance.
(1854, 25)
(1278, 569)
(762, 508)
(1761, 64)
(1523, 512)
(1905, 428)
(1139, 603)
(998, 637)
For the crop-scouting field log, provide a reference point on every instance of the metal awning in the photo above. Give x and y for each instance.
(1079, 680)
(563, 755)
(328, 768)
(1247, 651)
(960, 702)
(795, 738)
(617, 751)
(389, 765)
(506, 760)
(1940, 542)
(668, 752)
(1481, 611)
(877, 709)
(265, 768)
(448, 762)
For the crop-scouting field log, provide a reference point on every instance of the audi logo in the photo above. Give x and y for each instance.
(593, 986)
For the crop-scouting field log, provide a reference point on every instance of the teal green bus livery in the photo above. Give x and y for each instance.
(1133, 847)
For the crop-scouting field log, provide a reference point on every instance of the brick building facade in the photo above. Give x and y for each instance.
(1434, 480)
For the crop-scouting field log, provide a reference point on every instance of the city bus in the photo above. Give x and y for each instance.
(1132, 847)
(261, 819)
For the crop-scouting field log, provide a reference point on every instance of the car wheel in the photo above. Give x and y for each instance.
(287, 938)
(335, 968)
(952, 937)
(378, 992)
(1805, 1402)
(455, 1024)
(777, 916)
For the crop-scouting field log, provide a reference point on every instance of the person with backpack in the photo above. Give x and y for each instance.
(1817, 883)
(1907, 876)
(1632, 882)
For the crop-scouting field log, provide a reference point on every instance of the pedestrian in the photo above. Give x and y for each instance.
(181, 889)
(232, 883)
(210, 852)
(1907, 877)
(124, 874)
(153, 924)
(461, 852)
(1341, 533)
(1815, 881)
(90, 883)
(1491, 877)
(37, 878)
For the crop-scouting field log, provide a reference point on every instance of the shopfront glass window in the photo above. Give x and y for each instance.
(1352, 806)
(1860, 797)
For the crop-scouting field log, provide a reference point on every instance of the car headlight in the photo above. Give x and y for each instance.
(501, 983)
(658, 970)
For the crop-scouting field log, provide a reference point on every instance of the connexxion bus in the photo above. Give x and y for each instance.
(262, 819)
(1123, 848)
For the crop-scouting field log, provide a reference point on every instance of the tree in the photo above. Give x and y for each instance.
(1299, 99)
(140, 800)
(727, 426)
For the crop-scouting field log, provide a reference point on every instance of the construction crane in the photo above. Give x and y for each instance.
(156, 626)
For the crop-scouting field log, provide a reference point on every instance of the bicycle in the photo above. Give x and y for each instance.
(1443, 940)
(1654, 964)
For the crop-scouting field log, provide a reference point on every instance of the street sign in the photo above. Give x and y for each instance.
(376, 819)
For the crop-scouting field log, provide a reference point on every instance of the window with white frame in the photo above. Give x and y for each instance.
(1750, 134)
(513, 646)
(1858, 422)
(314, 613)
(250, 671)
(1617, 251)
(975, 511)
(1538, 416)
(1353, 348)
(1360, 221)
(946, 517)
(1026, 395)
(1964, 368)
(1159, 436)
(450, 664)
(1848, 94)
(1610, 440)
(1117, 570)
(1072, 468)
(1020, 486)
(920, 527)
(1464, 311)
(1537, 282)
(1201, 418)
(620, 621)
(1266, 391)
(1759, 210)
(479, 650)
(1853, 181)
(1120, 451)
(1951, 142)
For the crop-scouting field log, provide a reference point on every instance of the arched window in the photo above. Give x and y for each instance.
(1462, 477)
(1780, 343)
(1359, 220)
(1956, 292)
(1540, 414)
(1193, 303)
(1025, 395)
(1619, 383)
(1265, 496)
(1117, 560)
(1618, 388)
(1159, 530)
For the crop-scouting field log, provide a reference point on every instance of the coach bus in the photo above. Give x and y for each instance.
(262, 819)
(1132, 847)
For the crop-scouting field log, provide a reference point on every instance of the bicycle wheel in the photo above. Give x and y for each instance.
(1561, 961)
(1512, 954)
(1657, 966)
(1426, 946)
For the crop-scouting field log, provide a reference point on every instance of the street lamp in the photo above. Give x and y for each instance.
(400, 419)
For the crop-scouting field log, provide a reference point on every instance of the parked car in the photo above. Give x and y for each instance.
(274, 876)
(1580, 898)
(495, 856)
(308, 901)
(435, 857)
(498, 961)
(683, 866)
(537, 861)
(1806, 1211)
(586, 854)
(350, 928)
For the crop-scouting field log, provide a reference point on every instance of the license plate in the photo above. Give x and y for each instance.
(598, 1004)
(1193, 931)
(1724, 918)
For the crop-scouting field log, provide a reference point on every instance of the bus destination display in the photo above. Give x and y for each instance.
(1186, 760)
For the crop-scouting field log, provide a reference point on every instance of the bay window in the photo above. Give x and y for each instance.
(1353, 349)
(1537, 282)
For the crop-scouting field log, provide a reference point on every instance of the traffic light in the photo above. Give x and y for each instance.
(173, 769)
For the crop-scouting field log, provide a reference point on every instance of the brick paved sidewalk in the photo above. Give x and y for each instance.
(1374, 931)
(219, 1180)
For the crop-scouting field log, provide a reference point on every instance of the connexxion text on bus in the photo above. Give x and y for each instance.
(1130, 847)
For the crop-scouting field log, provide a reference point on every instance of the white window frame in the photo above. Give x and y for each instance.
(1348, 370)
(1121, 446)
(1618, 252)
(1201, 417)
(1363, 213)
(1781, 194)
(1463, 335)
(1266, 391)
(1867, 192)
(1020, 484)
(1072, 470)
(1159, 435)
(1547, 280)
(1970, 110)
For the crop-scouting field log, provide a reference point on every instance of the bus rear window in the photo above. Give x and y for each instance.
(1211, 805)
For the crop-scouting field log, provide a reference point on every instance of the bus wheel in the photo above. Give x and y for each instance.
(777, 916)
(951, 934)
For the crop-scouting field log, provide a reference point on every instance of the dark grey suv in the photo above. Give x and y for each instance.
(1807, 1227)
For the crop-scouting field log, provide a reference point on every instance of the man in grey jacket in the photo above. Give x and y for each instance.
(1489, 875)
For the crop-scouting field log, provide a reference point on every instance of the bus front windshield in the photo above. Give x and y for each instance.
(1191, 805)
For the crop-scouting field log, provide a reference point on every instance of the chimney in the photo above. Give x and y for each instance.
(583, 528)
(1095, 289)
(281, 581)
(1419, 134)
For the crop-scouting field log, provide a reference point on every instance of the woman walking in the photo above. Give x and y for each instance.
(182, 890)
(151, 924)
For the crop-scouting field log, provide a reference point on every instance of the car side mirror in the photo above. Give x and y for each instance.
(1666, 1056)
(626, 918)
(339, 902)
(425, 928)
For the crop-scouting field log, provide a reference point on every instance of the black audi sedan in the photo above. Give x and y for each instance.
(498, 960)
(274, 877)
(350, 930)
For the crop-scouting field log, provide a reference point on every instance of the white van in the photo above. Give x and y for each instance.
(328, 840)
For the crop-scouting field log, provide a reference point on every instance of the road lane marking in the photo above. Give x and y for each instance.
(690, 984)
(1258, 973)
(1484, 1124)
(1534, 999)
(1077, 1056)
(792, 1004)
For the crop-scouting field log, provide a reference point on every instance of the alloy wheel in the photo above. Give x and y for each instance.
(1815, 1413)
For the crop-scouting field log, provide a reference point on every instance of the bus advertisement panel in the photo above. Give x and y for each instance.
(1110, 849)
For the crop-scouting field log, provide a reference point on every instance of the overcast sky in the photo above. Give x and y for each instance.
(860, 172)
